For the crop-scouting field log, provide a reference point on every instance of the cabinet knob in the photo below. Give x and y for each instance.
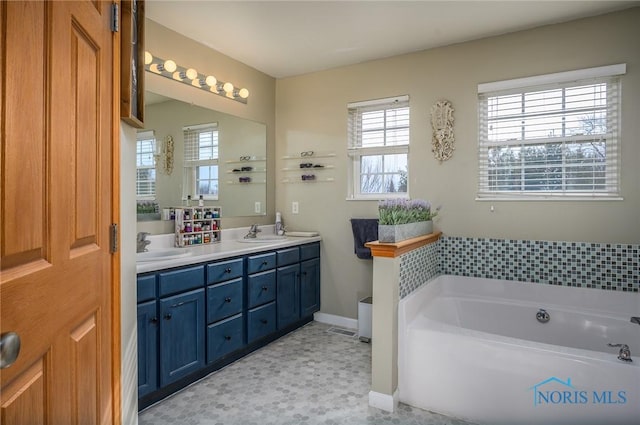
(228, 338)
(264, 263)
(227, 270)
(153, 320)
(167, 316)
(304, 273)
(227, 300)
(265, 288)
(264, 321)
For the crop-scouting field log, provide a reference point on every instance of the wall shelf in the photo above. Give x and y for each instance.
(246, 183)
(319, 174)
(325, 180)
(251, 159)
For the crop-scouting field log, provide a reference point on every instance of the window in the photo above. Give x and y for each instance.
(379, 148)
(552, 136)
(201, 161)
(145, 165)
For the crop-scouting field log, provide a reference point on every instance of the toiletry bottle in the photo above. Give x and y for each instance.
(279, 227)
(201, 201)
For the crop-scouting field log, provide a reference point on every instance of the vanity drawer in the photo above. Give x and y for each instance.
(224, 337)
(224, 300)
(309, 251)
(261, 288)
(181, 280)
(146, 288)
(261, 321)
(259, 263)
(224, 270)
(288, 256)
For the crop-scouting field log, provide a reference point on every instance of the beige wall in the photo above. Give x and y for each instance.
(311, 115)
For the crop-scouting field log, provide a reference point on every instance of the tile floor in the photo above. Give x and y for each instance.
(308, 377)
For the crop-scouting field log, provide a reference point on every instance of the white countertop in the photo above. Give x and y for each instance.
(228, 247)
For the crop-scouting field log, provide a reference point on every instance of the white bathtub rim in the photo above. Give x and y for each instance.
(486, 337)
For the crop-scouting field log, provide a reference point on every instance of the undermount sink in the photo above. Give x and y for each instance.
(263, 239)
(162, 254)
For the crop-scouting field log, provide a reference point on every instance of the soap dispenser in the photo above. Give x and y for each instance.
(279, 226)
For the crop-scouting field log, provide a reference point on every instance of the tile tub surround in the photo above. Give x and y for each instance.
(580, 264)
(309, 377)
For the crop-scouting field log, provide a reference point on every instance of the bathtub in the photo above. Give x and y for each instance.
(472, 348)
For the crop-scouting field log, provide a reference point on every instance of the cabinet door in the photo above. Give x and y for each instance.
(309, 287)
(288, 295)
(182, 329)
(147, 348)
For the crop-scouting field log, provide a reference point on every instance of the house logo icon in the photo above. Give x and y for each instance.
(542, 396)
(555, 391)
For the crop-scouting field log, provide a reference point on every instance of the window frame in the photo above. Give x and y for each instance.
(142, 136)
(564, 80)
(356, 151)
(190, 166)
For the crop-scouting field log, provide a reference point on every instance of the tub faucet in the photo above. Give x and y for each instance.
(142, 242)
(253, 232)
(635, 320)
(624, 354)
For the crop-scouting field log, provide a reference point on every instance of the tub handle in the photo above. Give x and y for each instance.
(542, 316)
(624, 354)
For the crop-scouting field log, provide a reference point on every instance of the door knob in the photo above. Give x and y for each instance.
(9, 349)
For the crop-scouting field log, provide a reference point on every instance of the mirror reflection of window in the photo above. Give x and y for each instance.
(201, 161)
(145, 165)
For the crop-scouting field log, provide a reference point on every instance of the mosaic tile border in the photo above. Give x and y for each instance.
(417, 267)
(579, 264)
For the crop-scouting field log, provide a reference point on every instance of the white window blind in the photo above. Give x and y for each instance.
(201, 161)
(378, 146)
(145, 165)
(557, 140)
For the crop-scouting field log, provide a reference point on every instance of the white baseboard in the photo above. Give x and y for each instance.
(386, 402)
(332, 319)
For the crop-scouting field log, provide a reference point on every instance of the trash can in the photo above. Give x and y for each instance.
(364, 319)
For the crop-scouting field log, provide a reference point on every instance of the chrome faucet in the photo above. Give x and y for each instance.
(624, 354)
(142, 241)
(253, 232)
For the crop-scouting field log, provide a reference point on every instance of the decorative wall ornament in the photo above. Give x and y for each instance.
(443, 141)
(164, 157)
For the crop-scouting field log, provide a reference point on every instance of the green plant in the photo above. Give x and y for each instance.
(402, 211)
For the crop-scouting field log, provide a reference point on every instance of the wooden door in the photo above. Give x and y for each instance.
(57, 157)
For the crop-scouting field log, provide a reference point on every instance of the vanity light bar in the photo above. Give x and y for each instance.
(169, 69)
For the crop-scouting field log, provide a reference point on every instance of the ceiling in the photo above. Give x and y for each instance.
(287, 38)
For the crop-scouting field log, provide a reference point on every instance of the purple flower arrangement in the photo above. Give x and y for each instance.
(403, 211)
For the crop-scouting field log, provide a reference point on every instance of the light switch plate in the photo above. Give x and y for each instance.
(258, 207)
(295, 207)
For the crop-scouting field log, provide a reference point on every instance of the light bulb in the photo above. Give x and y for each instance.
(192, 74)
(148, 58)
(243, 93)
(170, 65)
(195, 82)
(178, 75)
(228, 87)
(156, 67)
(211, 81)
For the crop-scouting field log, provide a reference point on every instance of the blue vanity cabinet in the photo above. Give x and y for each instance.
(309, 279)
(225, 306)
(288, 295)
(309, 287)
(182, 322)
(261, 295)
(195, 319)
(147, 335)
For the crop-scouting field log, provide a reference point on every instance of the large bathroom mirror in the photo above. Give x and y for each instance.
(235, 180)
